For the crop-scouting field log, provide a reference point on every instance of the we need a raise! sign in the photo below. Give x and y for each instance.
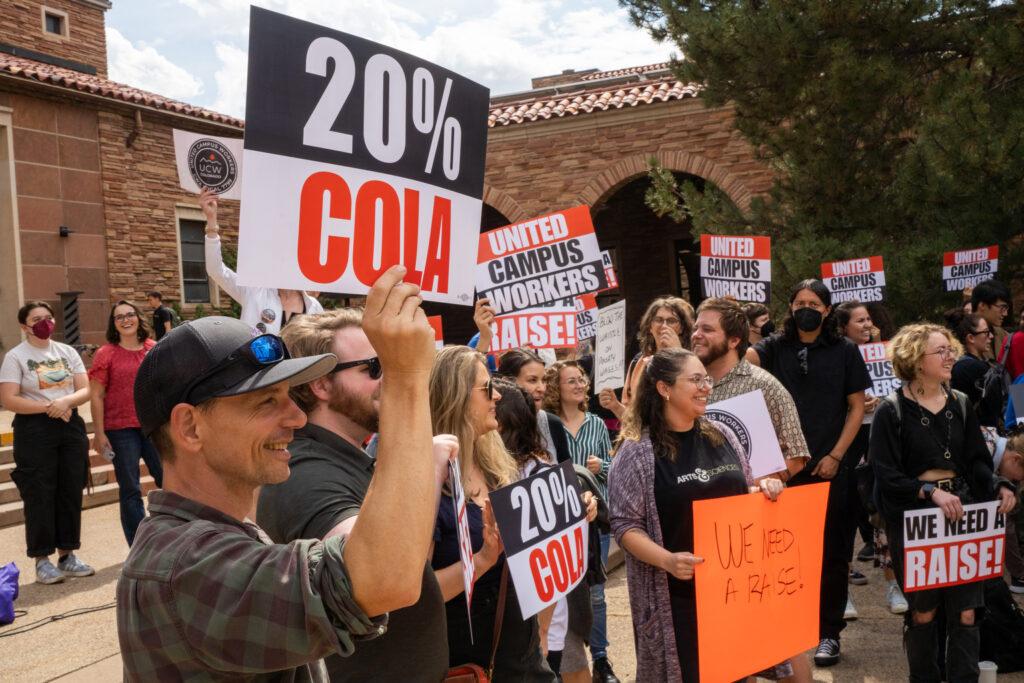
(941, 552)
(544, 529)
(357, 157)
(740, 267)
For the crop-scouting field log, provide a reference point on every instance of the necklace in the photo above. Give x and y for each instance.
(926, 422)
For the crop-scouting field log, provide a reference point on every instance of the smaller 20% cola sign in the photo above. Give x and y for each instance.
(545, 533)
(357, 157)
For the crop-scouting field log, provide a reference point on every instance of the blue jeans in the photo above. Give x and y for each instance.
(129, 445)
(599, 631)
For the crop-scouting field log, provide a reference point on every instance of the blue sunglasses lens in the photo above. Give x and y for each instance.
(267, 349)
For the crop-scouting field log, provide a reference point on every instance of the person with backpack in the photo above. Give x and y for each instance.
(164, 317)
(927, 451)
(971, 371)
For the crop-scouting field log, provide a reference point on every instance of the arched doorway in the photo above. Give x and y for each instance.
(653, 255)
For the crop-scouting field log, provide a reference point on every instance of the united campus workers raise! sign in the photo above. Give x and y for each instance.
(940, 552)
(357, 157)
(539, 261)
(862, 279)
(544, 529)
(968, 267)
(740, 267)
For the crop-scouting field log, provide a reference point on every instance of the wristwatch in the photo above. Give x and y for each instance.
(928, 489)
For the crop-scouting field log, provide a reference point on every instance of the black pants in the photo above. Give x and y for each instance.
(838, 544)
(51, 459)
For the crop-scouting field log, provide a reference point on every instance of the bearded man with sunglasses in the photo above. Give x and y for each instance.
(204, 594)
(330, 477)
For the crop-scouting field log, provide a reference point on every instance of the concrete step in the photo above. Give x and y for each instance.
(12, 513)
(101, 474)
(95, 460)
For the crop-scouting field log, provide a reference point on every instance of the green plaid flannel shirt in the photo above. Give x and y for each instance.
(205, 597)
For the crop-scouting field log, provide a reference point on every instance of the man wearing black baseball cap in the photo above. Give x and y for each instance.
(204, 593)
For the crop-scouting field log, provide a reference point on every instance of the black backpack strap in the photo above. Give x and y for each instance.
(558, 437)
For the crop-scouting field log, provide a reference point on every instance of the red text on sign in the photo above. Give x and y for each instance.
(557, 563)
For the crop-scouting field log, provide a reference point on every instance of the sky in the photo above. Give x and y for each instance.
(195, 50)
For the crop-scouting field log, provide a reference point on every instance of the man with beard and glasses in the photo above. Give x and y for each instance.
(330, 476)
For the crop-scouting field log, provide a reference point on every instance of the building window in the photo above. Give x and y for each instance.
(55, 23)
(195, 281)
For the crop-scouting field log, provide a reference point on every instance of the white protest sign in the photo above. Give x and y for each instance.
(968, 267)
(736, 266)
(545, 533)
(939, 552)
(861, 279)
(357, 157)
(883, 377)
(610, 351)
(539, 261)
(747, 415)
(208, 161)
(465, 542)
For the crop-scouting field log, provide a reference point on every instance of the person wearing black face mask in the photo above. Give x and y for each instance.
(827, 377)
(43, 382)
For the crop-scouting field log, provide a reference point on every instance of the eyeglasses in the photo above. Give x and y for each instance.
(261, 351)
(488, 389)
(665, 321)
(701, 380)
(801, 356)
(121, 317)
(987, 332)
(373, 364)
(577, 382)
(1002, 308)
(32, 321)
(944, 352)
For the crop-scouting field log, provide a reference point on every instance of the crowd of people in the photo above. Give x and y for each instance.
(304, 527)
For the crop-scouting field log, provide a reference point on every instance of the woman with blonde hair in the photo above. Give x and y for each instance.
(463, 402)
(928, 451)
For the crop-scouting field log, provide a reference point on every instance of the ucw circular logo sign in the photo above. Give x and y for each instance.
(212, 165)
(733, 423)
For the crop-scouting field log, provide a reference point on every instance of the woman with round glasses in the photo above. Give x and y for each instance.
(665, 439)
(463, 402)
(43, 382)
(928, 452)
(968, 375)
(118, 435)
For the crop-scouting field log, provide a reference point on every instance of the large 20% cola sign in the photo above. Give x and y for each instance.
(357, 157)
(546, 535)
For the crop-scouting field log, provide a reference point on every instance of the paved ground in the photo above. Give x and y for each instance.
(84, 648)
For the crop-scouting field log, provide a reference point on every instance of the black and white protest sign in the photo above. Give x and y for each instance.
(545, 533)
(747, 416)
(210, 162)
(883, 379)
(940, 552)
(358, 156)
(736, 266)
(465, 542)
(610, 347)
(861, 279)
(968, 267)
(538, 261)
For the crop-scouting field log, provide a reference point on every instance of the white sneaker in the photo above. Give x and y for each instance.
(894, 596)
(850, 614)
(46, 572)
(72, 566)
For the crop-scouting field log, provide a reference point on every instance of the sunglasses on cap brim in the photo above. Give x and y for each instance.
(260, 352)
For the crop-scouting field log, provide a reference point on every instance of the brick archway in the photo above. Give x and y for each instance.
(503, 202)
(616, 175)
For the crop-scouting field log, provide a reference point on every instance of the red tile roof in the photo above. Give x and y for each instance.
(593, 92)
(31, 70)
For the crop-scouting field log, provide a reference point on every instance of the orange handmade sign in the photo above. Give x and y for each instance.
(761, 575)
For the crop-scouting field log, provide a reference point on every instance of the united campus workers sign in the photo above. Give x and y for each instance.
(540, 261)
(544, 529)
(940, 552)
(740, 267)
(968, 267)
(761, 575)
(208, 161)
(357, 157)
(862, 279)
(883, 379)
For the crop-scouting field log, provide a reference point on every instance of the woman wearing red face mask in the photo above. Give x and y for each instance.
(43, 382)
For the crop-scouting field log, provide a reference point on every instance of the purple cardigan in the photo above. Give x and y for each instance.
(631, 497)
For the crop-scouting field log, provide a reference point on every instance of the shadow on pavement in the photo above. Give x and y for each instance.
(36, 594)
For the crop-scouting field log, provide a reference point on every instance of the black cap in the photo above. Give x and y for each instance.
(190, 350)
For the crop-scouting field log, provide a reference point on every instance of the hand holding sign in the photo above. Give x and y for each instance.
(397, 327)
(941, 549)
(680, 565)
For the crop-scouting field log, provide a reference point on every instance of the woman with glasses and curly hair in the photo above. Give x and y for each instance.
(928, 451)
(117, 430)
(665, 439)
(463, 402)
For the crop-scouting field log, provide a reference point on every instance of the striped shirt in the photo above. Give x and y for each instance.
(592, 439)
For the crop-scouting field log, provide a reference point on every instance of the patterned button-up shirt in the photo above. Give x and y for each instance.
(745, 378)
(204, 597)
(592, 439)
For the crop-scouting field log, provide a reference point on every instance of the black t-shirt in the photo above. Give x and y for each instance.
(161, 316)
(819, 386)
(699, 471)
(328, 482)
(969, 377)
